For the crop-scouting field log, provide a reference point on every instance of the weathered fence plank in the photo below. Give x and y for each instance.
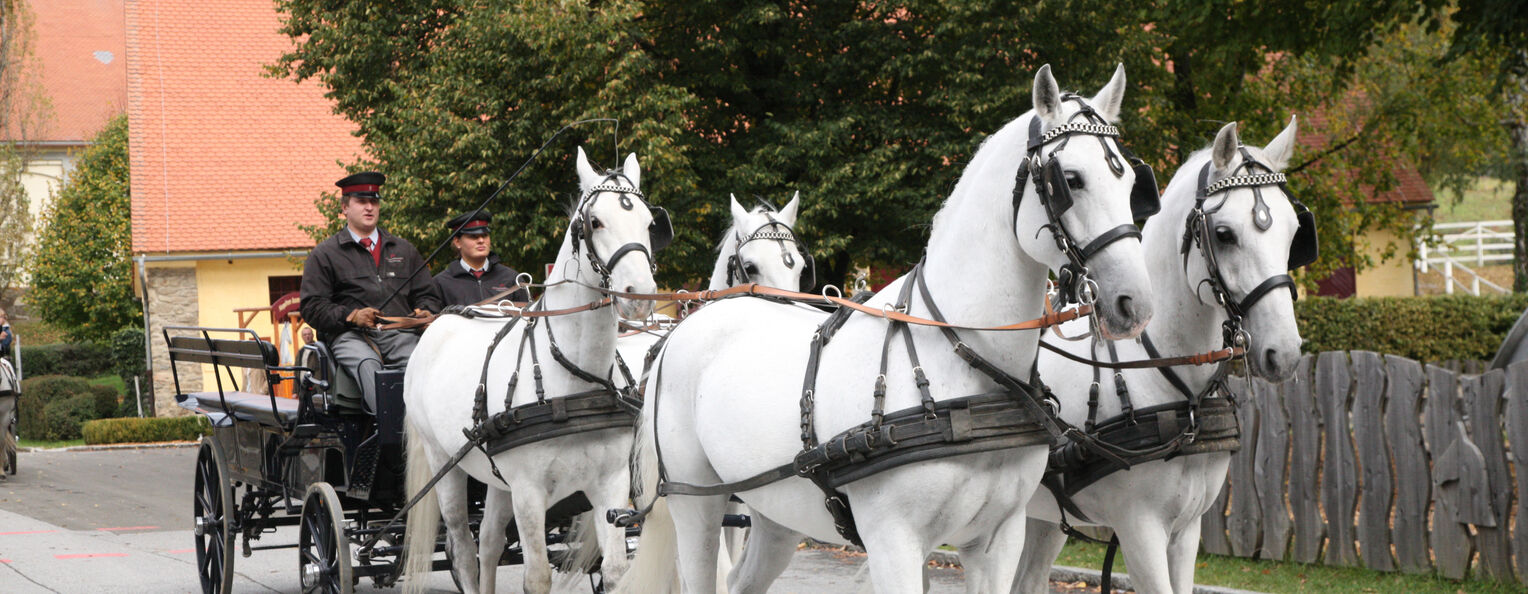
(1483, 405)
(1374, 461)
(1242, 524)
(1413, 482)
(1450, 540)
(1304, 475)
(1269, 459)
(1517, 435)
(1339, 472)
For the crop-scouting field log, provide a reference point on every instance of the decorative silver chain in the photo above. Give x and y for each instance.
(1245, 181)
(1079, 128)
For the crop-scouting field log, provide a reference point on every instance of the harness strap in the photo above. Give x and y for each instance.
(575, 413)
(1155, 361)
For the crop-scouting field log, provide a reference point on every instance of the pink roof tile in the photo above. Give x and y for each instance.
(224, 157)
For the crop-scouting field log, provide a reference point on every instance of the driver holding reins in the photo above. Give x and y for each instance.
(347, 282)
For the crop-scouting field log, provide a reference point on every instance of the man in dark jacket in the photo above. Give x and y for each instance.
(478, 275)
(348, 278)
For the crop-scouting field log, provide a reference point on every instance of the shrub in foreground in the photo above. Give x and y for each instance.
(145, 430)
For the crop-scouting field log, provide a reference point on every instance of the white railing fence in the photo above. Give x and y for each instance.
(1461, 248)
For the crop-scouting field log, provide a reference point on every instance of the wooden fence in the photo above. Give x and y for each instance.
(1380, 462)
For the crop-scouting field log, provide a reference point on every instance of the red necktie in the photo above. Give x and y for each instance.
(376, 256)
(477, 273)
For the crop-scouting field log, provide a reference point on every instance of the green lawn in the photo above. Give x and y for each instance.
(113, 380)
(1489, 200)
(33, 443)
(1268, 576)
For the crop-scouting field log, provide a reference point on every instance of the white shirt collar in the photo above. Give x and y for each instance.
(374, 237)
(468, 267)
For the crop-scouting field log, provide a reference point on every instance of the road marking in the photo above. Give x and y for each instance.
(89, 555)
(5, 560)
(181, 551)
(28, 532)
(127, 528)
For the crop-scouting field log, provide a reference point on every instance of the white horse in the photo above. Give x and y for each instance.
(729, 381)
(608, 244)
(1155, 507)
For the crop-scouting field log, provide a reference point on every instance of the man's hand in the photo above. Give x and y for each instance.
(365, 317)
(419, 313)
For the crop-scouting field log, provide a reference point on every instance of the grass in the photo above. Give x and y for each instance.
(37, 332)
(113, 380)
(37, 443)
(1489, 200)
(1269, 576)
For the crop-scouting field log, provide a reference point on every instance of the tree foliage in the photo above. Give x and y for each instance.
(82, 272)
(870, 109)
(20, 112)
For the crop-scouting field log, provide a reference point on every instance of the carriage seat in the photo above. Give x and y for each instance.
(224, 404)
(343, 392)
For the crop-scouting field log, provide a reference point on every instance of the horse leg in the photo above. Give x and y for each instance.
(698, 524)
(498, 508)
(735, 536)
(769, 551)
(530, 520)
(1182, 552)
(896, 557)
(1143, 540)
(612, 493)
(1042, 544)
(451, 492)
(989, 561)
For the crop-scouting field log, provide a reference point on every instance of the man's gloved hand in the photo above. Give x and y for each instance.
(419, 313)
(365, 317)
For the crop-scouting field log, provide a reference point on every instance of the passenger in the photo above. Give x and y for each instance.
(478, 275)
(5, 334)
(348, 278)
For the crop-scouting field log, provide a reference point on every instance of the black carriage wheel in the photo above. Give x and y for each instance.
(212, 511)
(323, 547)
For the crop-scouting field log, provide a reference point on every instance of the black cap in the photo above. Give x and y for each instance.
(477, 226)
(367, 184)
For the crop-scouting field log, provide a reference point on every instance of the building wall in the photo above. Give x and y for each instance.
(1392, 278)
(172, 301)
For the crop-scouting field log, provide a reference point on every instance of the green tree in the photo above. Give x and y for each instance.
(82, 272)
(870, 109)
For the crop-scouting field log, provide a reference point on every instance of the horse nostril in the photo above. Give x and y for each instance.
(631, 288)
(1124, 305)
(1271, 361)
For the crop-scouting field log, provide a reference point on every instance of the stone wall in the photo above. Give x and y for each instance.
(172, 302)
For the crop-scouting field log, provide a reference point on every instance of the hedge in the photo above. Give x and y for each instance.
(52, 407)
(77, 359)
(145, 430)
(1441, 328)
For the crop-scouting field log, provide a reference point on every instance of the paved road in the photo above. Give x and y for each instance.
(117, 521)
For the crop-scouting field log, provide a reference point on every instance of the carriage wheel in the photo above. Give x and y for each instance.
(212, 510)
(324, 550)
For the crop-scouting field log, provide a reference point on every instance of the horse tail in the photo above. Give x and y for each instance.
(653, 567)
(424, 518)
(583, 541)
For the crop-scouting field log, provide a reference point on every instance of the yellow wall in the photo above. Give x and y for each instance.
(1391, 278)
(223, 285)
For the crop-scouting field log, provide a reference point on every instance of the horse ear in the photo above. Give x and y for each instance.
(788, 214)
(1107, 101)
(1282, 149)
(1225, 147)
(586, 175)
(739, 214)
(1047, 95)
(632, 170)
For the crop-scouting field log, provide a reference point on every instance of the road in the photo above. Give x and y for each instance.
(118, 521)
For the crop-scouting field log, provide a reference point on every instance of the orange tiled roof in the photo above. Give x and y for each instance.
(223, 158)
(79, 61)
(1410, 190)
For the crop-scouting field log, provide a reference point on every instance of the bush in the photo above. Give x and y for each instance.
(147, 430)
(127, 362)
(77, 359)
(43, 414)
(1428, 329)
(62, 418)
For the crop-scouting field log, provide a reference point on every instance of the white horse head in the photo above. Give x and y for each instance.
(1251, 231)
(1096, 176)
(762, 248)
(615, 228)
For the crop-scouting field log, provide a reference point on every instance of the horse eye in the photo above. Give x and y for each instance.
(750, 269)
(595, 223)
(1073, 180)
(1225, 236)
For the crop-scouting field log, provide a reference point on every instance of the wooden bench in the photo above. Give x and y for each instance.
(197, 345)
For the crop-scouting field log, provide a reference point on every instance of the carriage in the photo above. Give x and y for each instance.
(319, 461)
(10, 402)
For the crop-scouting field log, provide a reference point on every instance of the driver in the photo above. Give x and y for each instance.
(348, 278)
(478, 275)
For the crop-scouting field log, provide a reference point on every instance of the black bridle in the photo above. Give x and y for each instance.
(583, 230)
(774, 230)
(1198, 227)
(1072, 280)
